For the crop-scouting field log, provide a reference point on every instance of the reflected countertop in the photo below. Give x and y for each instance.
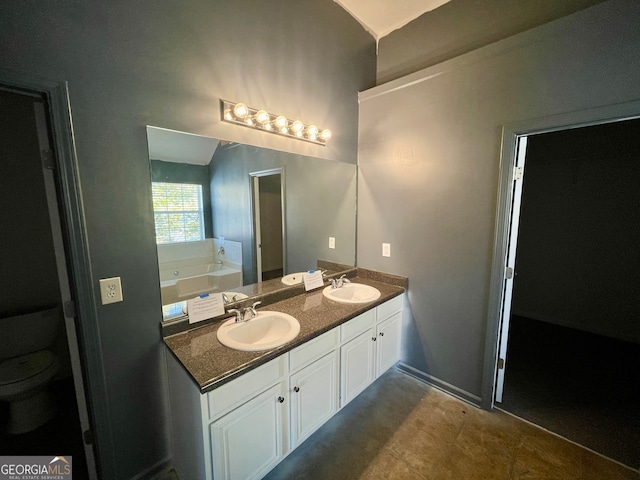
(211, 364)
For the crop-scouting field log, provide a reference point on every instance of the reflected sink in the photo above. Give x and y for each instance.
(265, 331)
(352, 293)
(293, 278)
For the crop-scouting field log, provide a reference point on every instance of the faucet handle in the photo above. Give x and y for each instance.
(238, 314)
(252, 309)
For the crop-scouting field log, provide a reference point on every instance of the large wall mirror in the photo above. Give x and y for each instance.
(235, 218)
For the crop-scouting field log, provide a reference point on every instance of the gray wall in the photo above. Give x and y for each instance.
(429, 153)
(579, 235)
(461, 26)
(131, 64)
(320, 200)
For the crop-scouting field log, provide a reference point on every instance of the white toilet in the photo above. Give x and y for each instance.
(27, 367)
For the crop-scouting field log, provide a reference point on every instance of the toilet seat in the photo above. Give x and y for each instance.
(26, 368)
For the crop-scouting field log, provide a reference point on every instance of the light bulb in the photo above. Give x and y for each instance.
(262, 117)
(227, 114)
(249, 121)
(284, 130)
(297, 126)
(267, 126)
(312, 130)
(240, 110)
(282, 122)
(326, 134)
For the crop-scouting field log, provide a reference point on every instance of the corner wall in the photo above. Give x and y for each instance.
(429, 156)
(461, 26)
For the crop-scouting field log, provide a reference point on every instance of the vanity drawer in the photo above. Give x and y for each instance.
(313, 349)
(356, 325)
(243, 388)
(389, 308)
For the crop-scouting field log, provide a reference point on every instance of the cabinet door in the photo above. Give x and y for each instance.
(356, 365)
(314, 396)
(251, 439)
(388, 346)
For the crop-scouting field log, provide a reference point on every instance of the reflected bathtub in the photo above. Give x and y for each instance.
(214, 280)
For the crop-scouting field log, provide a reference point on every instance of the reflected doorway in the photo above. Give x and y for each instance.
(268, 211)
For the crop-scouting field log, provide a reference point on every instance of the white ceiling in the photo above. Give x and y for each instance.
(180, 147)
(381, 17)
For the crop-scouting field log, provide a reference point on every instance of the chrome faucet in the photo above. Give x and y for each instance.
(220, 250)
(340, 281)
(251, 311)
(246, 314)
(238, 314)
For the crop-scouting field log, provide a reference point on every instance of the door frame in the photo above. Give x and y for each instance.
(75, 235)
(254, 178)
(511, 135)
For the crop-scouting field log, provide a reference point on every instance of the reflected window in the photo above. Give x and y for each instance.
(178, 212)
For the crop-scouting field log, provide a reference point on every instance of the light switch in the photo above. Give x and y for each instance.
(332, 242)
(386, 249)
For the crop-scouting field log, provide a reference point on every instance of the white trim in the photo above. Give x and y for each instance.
(446, 387)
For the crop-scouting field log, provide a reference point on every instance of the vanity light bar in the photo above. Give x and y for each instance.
(240, 114)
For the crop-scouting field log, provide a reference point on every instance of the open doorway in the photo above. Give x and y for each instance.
(267, 190)
(570, 338)
(44, 408)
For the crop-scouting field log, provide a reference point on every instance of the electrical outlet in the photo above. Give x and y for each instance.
(386, 249)
(332, 242)
(110, 290)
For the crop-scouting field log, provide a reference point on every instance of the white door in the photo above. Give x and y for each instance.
(250, 440)
(356, 365)
(314, 397)
(510, 265)
(388, 343)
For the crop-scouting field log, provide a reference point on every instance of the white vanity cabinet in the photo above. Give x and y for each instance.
(371, 345)
(250, 440)
(249, 422)
(357, 356)
(244, 428)
(388, 343)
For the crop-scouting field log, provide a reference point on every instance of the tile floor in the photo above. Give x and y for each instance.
(401, 428)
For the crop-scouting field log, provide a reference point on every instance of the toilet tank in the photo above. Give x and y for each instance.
(29, 333)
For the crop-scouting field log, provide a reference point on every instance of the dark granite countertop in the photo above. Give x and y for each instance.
(211, 364)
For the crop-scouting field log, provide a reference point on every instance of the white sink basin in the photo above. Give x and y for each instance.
(293, 278)
(265, 331)
(352, 293)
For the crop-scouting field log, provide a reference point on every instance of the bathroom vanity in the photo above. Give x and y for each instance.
(237, 414)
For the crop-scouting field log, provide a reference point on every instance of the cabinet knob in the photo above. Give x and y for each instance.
(374, 339)
(296, 389)
(382, 334)
(281, 399)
